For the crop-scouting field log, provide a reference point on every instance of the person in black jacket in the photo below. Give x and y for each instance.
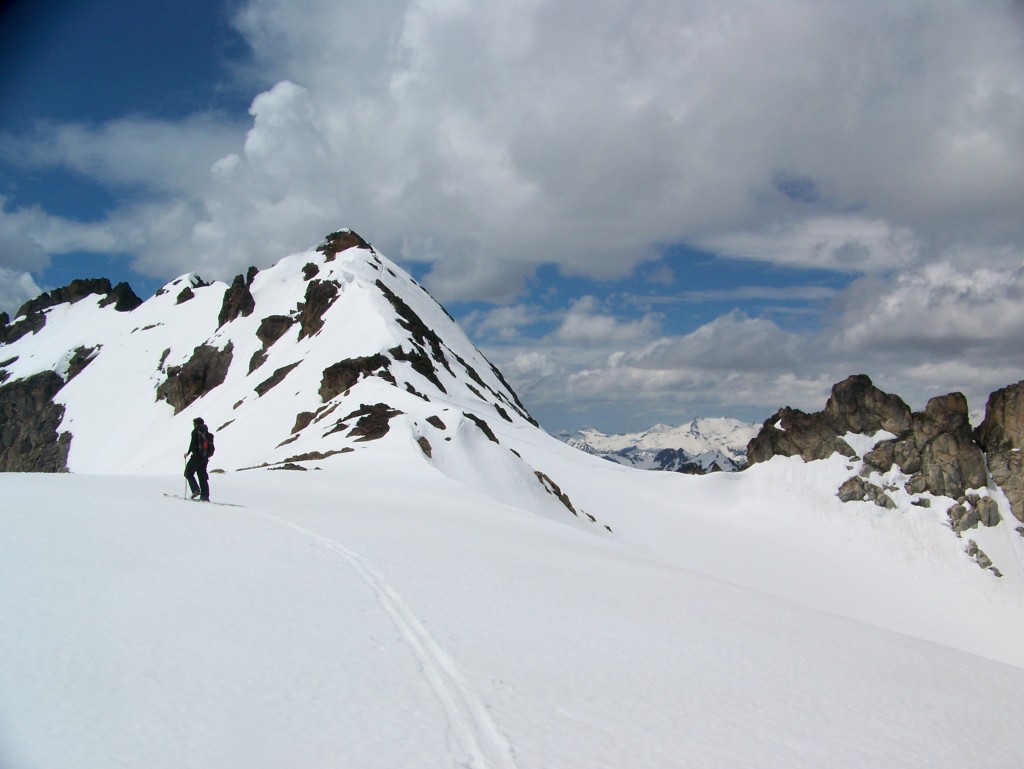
(197, 459)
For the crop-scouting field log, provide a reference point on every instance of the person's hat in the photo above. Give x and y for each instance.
(198, 421)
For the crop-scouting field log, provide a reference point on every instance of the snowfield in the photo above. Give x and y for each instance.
(349, 617)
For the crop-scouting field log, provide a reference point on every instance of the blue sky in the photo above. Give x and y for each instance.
(641, 212)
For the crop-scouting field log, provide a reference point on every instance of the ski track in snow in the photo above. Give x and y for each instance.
(476, 734)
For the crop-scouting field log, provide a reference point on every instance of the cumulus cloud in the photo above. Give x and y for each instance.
(836, 243)
(483, 140)
(16, 288)
(843, 135)
(155, 156)
(584, 324)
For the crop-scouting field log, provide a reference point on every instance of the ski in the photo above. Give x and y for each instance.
(189, 499)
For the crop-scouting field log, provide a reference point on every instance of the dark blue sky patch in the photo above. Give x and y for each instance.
(71, 60)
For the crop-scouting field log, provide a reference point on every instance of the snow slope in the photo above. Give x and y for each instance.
(346, 620)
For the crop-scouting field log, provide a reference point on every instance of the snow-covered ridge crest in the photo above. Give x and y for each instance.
(291, 367)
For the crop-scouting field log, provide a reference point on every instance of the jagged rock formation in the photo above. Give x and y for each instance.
(238, 300)
(121, 296)
(929, 454)
(271, 328)
(343, 374)
(934, 447)
(320, 295)
(205, 370)
(29, 424)
(937, 451)
(855, 406)
(340, 241)
(1001, 435)
(33, 318)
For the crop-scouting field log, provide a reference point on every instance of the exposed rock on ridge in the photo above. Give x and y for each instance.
(855, 406)
(32, 317)
(238, 299)
(1001, 435)
(934, 447)
(29, 421)
(932, 453)
(205, 370)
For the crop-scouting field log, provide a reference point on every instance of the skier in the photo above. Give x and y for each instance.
(198, 457)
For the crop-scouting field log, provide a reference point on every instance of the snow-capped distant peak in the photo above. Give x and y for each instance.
(704, 444)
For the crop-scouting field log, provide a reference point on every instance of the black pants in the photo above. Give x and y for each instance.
(196, 467)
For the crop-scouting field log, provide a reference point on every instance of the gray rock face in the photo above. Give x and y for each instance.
(29, 420)
(938, 451)
(343, 374)
(320, 295)
(340, 241)
(1001, 435)
(935, 447)
(206, 369)
(855, 406)
(238, 299)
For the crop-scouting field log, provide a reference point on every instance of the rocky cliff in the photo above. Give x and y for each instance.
(932, 455)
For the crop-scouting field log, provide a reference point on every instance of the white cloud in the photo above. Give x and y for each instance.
(511, 134)
(486, 139)
(586, 325)
(155, 156)
(16, 288)
(28, 236)
(936, 304)
(836, 243)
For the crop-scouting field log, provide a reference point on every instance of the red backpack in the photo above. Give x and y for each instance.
(206, 443)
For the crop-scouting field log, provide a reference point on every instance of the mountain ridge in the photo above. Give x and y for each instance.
(705, 444)
(314, 357)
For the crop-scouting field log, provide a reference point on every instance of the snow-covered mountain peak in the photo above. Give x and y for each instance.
(705, 444)
(292, 367)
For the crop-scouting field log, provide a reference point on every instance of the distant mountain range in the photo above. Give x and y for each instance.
(702, 446)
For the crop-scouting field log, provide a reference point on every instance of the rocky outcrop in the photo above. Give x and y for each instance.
(31, 318)
(938, 451)
(855, 406)
(81, 358)
(238, 299)
(271, 328)
(205, 370)
(320, 295)
(373, 422)
(934, 447)
(121, 296)
(4, 374)
(274, 379)
(1001, 436)
(29, 421)
(340, 241)
(340, 376)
